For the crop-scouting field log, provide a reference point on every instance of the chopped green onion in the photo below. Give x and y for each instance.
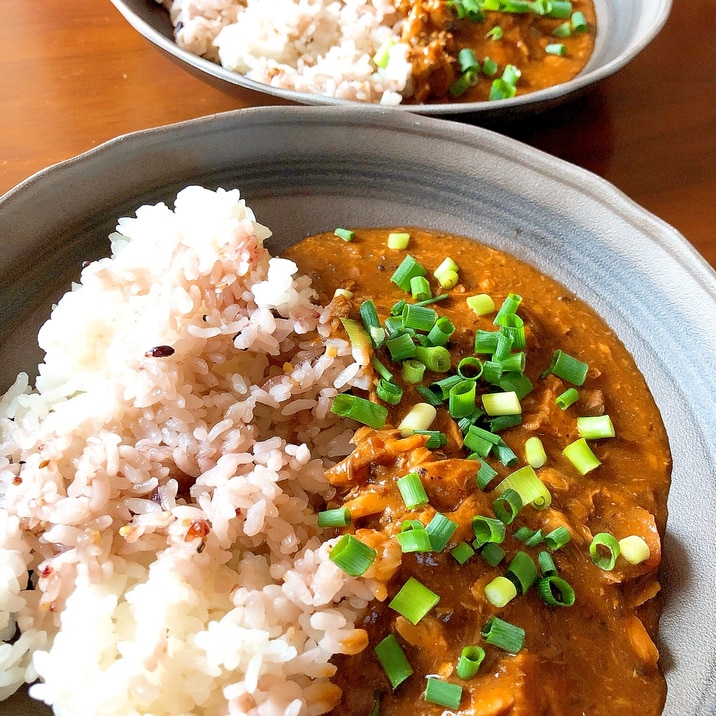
(442, 387)
(504, 453)
(567, 367)
(420, 288)
(514, 362)
(555, 591)
(361, 345)
(476, 437)
(446, 272)
(338, 517)
(398, 240)
(561, 9)
(440, 529)
(380, 369)
(408, 268)
(569, 397)
(435, 440)
(489, 68)
(412, 371)
(393, 660)
(634, 549)
(462, 552)
(604, 550)
(471, 657)
(530, 488)
(486, 341)
(579, 22)
(420, 318)
(546, 564)
(516, 6)
(470, 368)
(461, 400)
(485, 475)
(414, 600)
(563, 30)
(595, 427)
(434, 299)
(557, 538)
(414, 539)
(500, 591)
(412, 490)
(507, 506)
(372, 323)
(435, 358)
(535, 539)
(494, 34)
(364, 411)
(388, 391)
(492, 553)
(492, 371)
(522, 571)
(419, 417)
(443, 693)
(440, 333)
(504, 346)
(345, 234)
(506, 403)
(510, 304)
(481, 304)
(535, 454)
(352, 556)
(581, 456)
(394, 325)
(556, 48)
(382, 55)
(523, 533)
(461, 85)
(426, 394)
(466, 60)
(397, 308)
(515, 382)
(487, 529)
(503, 635)
(401, 347)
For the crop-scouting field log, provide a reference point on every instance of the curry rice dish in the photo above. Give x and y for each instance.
(220, 496)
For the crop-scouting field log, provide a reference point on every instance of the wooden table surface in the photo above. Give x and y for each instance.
(73, 74)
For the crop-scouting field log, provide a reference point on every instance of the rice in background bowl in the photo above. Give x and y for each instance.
(158, 486)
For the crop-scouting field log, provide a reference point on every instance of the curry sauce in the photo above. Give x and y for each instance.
(596, 657)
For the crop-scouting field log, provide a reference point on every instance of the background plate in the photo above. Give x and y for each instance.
(624, 28)
(309, 169)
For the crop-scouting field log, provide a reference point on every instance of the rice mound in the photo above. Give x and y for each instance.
(321, 47)
(160, 552)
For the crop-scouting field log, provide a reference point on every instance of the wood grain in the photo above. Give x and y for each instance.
(73, 74)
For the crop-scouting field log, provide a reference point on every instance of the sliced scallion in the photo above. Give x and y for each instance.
(401, 347)
(535, 454)
(426, 394)
(470, 368)
(352, 556)
(413, 600)
(567, 398)
(579, 22)
(393, 660)
(412, 490)
(581, 456)
(443, 693)
(557, 538)
(361, 346)
(506, 403)
(440, 529)
(509, 306)
(345, 234)
(546, 565)
(500, 591)
(563, 30)
(471, 657)
(485, 475)
(604, 550)
(419, 417)
(412, 371)
(529, 486)
(503, 635)
(337, 517)
(594, 427)
(388, 391)
(436, 439)
(555, 591)
(522, 571)
(440, 333)
(408, 268)
(567, 367)
(492, 553)
(489, 68)
(435, 358)
(462, 552)
(487, 529)
(414, 539)
(398, 240)
(372, 323)
(481, 304)
(556, 48)
(634, 549)
(364, 411)
(461, 400)
(420, 288)
(507, 506)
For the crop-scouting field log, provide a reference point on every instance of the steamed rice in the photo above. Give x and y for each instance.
(321, 47)
(160, 552)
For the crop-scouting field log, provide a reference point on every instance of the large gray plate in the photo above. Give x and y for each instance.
(308, 169)
(625, 28)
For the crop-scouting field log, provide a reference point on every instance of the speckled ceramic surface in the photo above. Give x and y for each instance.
(308, 169)
(625, 27)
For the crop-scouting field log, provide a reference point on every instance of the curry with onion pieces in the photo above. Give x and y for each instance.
(597, 656)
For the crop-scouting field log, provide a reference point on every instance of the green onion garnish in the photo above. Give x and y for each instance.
(398, 240)
(462, 552)
(515, 382)
(504, 635)
(380, 369)
(557, 538)
(504, 453)
(567, 367)
(352, 556)
(426, 394)
(546, 564)
(446, 272)
(435, 440)
(535, 454)
(561, 9)
(338, 517)
(604, 550)
(361, 345)
(435, 358)
(509, 305)
(523, 533)
(440, 333)
(401, 347)
(485, 341)
(466, 60)
(414, 538)
(500, 591)
(440, 529)
(393, 660)
(556, 48)
(461, 399)
(420, 288)
(514, 362)
(492, 553)
(412, 371)
(372, 323)
(634, 549)
(487, 529)
(419, 417)
(485, 475)
(364, 411)
(414, 600)
(506, 403)
(522, 571)
(595, 427)
(382, 55)
(567, 398)
(555, 591)
(579, 22)
(489, 68)
(408, 268)
(468, 664)
(443, 693)
(494, 34)
(535, 539)
(507, 506)
(530, 488)
(470, 368)
(581, 456)
(563, 30)
(388, 391)
(412, 490)
(345, 234)
(419, 318)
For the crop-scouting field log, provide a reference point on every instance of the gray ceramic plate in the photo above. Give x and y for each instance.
(625, 27)
(308, 169)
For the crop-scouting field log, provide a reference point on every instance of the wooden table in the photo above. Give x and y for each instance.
(73, 74)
